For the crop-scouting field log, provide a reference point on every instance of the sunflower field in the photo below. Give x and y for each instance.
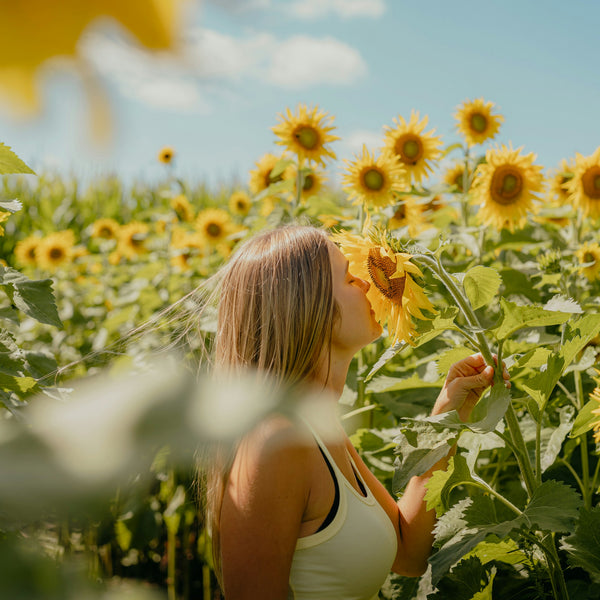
(469, 247)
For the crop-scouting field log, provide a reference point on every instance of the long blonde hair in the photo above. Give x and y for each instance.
(276, 315)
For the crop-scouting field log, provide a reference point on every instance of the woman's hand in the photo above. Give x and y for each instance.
(466, 381)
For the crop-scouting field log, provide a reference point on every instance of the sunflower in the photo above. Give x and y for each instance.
(166, 155)
(584, 187)
(454, 177)
(132, 238)
(476, 121)
(306, 133)
(105, 228)
(374, 181)
(240, 203)
(558, 192)
(261, 177)
(506, 186)
(415, 150)
(589, 254)
(312, 183)
(25, 250)
(408, 213)
(182, 207)
(185, 246)
(214, 225)
(55, 249)
(394, 295)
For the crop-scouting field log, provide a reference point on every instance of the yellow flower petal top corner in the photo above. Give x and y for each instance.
(476, 121)
(416, 150)
(373, 180)
(507, 187)
(396, 298)
(306, 133)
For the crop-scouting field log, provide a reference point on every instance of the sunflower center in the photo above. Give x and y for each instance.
(588, 257)
(56, 253)
(309, 183)
(506, 186)
(241, 205)
(380, 270)
(400, 213)
(591, 182)
(307, 137)
(106, 232)
(458, 181)
(213, 230)
(373, 179)
(269, 180)
(409, 148)
(478, 122)
(31, 253)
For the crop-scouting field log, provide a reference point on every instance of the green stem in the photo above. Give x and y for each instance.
(585, 466)
(567, 464)
(538, 451)
(595, 478)
(497, 495)
(512, 422)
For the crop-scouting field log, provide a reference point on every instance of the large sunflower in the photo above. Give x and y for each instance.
(55, 250)
(413, 148)
(261, 177)
(584, 187)
(312, 183)
(408, 213)
(25, 250)
(182, 207)
(589, 254)
(558, 192)
(506, 186)
(476, 121)
(306, 133)
(132, 239)
(374, 181)
(166, 155)
(214, 225)
(240, 203)
(454, 177)
(105, 228)
(394, 295)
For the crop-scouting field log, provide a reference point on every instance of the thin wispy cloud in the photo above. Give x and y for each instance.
(209, 59)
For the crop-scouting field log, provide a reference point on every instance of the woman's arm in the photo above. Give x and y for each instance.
(262, 510)
(466, 381)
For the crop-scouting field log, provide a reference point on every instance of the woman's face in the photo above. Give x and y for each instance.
(356, 326)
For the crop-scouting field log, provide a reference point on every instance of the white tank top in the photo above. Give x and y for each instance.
(351, 558)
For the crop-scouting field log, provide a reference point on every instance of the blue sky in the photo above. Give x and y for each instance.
(363, 61)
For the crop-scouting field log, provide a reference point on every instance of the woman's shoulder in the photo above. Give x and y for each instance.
(278, 440)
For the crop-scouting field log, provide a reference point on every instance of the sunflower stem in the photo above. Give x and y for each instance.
(585, 466)
(512, 422)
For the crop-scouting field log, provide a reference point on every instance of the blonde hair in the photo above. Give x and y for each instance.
(276, 315)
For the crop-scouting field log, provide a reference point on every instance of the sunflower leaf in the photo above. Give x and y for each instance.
(481, 285)
(583, 546)
(11, 163)
(585, 419)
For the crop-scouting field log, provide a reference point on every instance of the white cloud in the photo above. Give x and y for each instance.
(314, 9)
(302, 61)
(210, 61)
(352, 142)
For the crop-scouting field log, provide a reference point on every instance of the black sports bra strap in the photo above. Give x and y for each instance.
(336, 500)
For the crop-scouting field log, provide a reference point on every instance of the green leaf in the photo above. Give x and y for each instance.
(34, 297)
(431, 328)
(515, 317)
(481, 285)
(506, 551)
(585, 419)
(583, 546)
(21, 385)
(578, 334)
(517, 282)
(540, 386)
(123, 535)
(448, 358)
(553, 507)
(280, 166)
(385, 383)
(469, 580)
(11, 163)
(441, 483)
(385, 358)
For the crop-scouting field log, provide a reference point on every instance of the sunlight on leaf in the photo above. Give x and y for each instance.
(481, 285)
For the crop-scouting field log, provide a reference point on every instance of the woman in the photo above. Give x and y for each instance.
(295, 512)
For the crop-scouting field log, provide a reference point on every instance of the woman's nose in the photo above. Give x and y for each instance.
(365, 285)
